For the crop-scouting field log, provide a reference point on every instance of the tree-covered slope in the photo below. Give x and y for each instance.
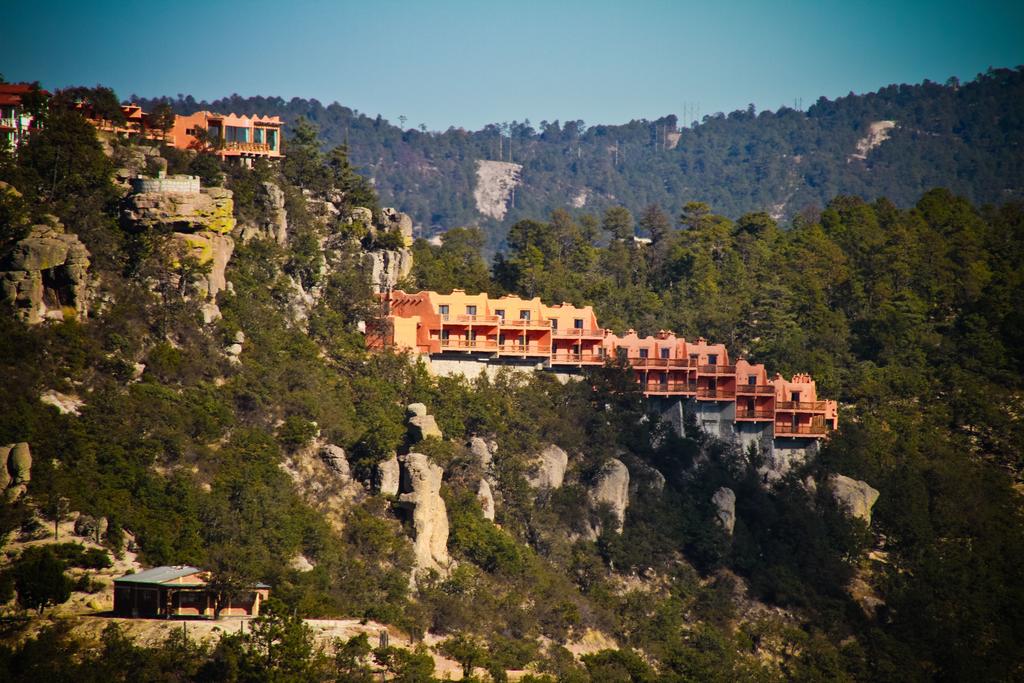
(966, 137)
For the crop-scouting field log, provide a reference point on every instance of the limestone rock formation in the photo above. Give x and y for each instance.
(301, 564)
(486, 498)
(208, 247)
(421, 424)
(334, 457)
(360, 214)
(274, 217)
(483, 451)
(550, 466)
(780, 461)
(856, 496)
(388, 476)
(612, 489)
(179, 203)
(420, 492)
(16, 459)
(387, 267)
(646, 479)
(392, 219)
(66, 404)
(46, 275)
(725, 500)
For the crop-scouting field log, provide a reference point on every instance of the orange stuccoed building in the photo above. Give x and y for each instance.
(460, 333)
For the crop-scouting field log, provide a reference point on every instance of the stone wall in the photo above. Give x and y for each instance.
(174, 183)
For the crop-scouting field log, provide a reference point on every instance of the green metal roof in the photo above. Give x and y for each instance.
(158, 575)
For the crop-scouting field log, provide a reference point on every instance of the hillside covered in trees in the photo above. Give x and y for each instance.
(965, 137)
(195, 441)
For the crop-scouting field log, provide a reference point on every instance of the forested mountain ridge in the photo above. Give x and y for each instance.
(965, 137)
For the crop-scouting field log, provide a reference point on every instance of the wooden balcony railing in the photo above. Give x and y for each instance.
(800, 430)
(670, 388)
(258, 147)
(469, 344)
(637, 362)
(520, 322)
(467, 319)
(525, 349)
(717, 369)
(576, 358)
(577, 332)
(716, 394)
(748, 414)
(808, 406)
(757, 389)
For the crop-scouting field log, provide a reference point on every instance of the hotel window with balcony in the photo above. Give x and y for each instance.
(622, 353)
(272, 139)
(577, 324)
(751, 380)
(693, 358)
(664, 379)
(601, 352)
(470, 310)
(444, 335)
(524, 315)
(795, 397)
(554, 324)
(257, 136)
(665, 352)
(576, 349)
(712, 359)
(442, 310)
(643, 353)
(500, 313)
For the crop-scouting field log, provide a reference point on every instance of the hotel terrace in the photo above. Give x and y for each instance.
(566, 338)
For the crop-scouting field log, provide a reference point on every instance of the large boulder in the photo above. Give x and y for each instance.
(420, 492)
(19, 463)
(421, 424)
(858, 497)
(334, 457)
(388, 476)
(725, 500)
(211, 248)
(46, 275)
(5, 475)
(486, 498)
(180, 205)
(549, 468)
(612, 489)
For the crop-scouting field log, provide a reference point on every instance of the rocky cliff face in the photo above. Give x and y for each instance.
(612, 489)
(387, 267)
(858, 497)
(274, 224)
(725, 501)
(46, 275)
(549, 468)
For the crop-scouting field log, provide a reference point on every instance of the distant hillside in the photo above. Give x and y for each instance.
(897, 142)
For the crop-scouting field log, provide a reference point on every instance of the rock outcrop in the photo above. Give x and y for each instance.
(200, 219)
(387, 267)
(66, 404)
(612, 489)
(725, 500)
(395, 220)
(780, 461)
(334, 457)
(482, 450)
(486, 498)
(550, 465)
(858, 497)
(388, 476)
(420, 492)
(15, 470)
(421, 424)
(46, 275)
(273, 222)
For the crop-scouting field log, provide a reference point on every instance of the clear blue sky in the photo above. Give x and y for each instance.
(468, 63)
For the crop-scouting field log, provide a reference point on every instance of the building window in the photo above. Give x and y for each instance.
(576, 349)
(500, 313)
(524, 315)
(665, 352)
(272, 139)
(751, 379)
(622, 352)
(795, 397)
(578, 323)
(444, 335)
(443, 311)
(257, 136)
(470, 310)
(643, 353)
(601, 351)
(664, 379)
(712, 359)
(554, 323)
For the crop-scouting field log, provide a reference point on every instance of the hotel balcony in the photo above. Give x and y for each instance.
(520, 323)
(577, 332)
(755, 389)
(523, 349)
(669, 388)
(801, 406)
(466, 319)
(248, 147)
(643, 363)
(716, 369)
(756, 414)
(482, 345)
(800, 430)
(706, 394)
(576, 359)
